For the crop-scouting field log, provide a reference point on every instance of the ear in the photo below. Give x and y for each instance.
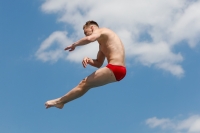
(92, 27)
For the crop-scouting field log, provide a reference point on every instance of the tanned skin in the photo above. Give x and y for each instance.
(110, 47)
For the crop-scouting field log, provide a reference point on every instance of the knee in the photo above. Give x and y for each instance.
(84, 84)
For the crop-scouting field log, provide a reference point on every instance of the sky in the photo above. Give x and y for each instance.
(160, 93)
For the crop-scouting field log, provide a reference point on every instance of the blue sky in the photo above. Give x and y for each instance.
(160, 93)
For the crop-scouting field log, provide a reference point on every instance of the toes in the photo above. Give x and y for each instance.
(47, 105)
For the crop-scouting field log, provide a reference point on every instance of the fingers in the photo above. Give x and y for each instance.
(66, 48)
(70, 48)
(85, 62)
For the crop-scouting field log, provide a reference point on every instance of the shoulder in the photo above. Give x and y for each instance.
(105, 31)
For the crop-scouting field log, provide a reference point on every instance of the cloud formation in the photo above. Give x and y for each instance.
(150, 30)
(57, 40)
(188, 125)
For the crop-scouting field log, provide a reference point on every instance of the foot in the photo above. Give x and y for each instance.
(54, 103)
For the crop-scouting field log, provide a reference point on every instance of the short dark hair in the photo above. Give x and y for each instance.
(90, 22)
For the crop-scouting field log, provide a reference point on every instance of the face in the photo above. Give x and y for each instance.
(88, 30)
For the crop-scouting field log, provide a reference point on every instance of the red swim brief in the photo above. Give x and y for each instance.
(119, 71)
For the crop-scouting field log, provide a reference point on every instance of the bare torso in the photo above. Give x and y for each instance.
(111, 46)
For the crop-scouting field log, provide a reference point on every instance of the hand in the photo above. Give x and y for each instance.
(85, 61)
(71, 47)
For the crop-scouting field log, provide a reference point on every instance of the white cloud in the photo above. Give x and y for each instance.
(165, 22)
(188, 125)
(163, 123)
(52, 49)
(58, 40)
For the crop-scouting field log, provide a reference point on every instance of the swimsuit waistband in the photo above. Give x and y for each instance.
(116, 65)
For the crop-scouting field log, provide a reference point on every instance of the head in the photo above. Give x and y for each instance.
(89, 27)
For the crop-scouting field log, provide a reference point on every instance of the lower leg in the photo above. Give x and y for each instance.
(71, 95)
(100, 77)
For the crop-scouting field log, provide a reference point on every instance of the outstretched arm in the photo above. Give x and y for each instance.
(94, 62)
(84, 41)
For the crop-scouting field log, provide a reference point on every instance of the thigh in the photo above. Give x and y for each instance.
(100, 77)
